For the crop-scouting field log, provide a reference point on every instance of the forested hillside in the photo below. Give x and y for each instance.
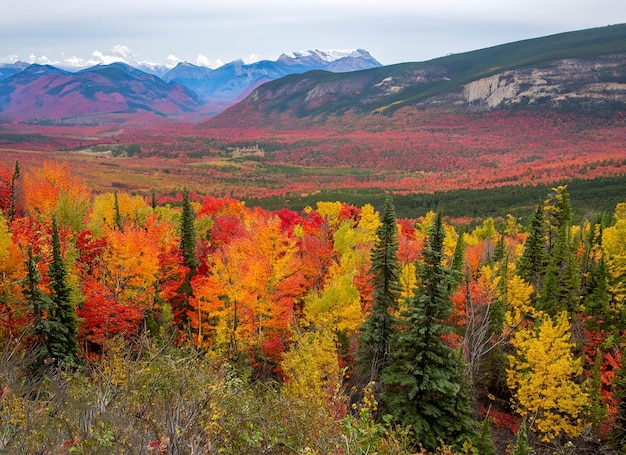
(201, 325)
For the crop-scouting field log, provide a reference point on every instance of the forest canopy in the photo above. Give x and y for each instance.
(203, 325)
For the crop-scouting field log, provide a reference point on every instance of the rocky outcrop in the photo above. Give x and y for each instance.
(600, 79)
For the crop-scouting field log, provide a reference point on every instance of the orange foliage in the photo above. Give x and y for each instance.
(44, 187)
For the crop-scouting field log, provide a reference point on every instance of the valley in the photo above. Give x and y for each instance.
(409, 154)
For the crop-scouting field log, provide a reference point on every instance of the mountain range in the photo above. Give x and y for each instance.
(577, 71)
(50, 94)
(581, 70)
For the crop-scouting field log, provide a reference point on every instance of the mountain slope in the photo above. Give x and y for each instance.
(45, 93)
(9, 69)
(569, 70)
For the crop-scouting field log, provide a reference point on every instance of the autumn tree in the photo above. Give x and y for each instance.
(544, 377)
(423, 384)
(375, 333)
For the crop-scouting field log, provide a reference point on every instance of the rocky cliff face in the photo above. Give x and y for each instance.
(595, 80)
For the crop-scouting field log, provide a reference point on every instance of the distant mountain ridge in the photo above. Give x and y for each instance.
(46, 93)
(230, 83)
(576, 70)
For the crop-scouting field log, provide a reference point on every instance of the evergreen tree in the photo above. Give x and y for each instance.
(119, 224)
(561, 282)
(375, 332)
(39, 304)
(16, 174)
(423, 385)
(190, 260)
(62, 320)
(532, 264)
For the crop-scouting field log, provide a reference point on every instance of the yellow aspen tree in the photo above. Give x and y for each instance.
(131, 209)
(544, 375)
(614, 246)
(311, 367)
(518, 301)
(330, 212)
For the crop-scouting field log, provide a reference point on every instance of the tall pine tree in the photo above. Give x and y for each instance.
(190, 259)
(38, 303)
(423, 385)
(375, 332)
(531, 265)
(62, 320)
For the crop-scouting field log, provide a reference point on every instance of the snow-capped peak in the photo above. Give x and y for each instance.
(325, 55)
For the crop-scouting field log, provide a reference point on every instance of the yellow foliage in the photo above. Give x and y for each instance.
(133, 209)
(620, 211)
(368, 223)
(329, 211)
(5, 239)
(518, 301)
(337, 308)
(311, 367)
(614, 246)
(427, 222)
(543, 375)
(408, 283)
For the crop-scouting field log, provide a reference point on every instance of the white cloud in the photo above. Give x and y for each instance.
(203, 60)
(13, 58)
(171, 61)
(41, 60)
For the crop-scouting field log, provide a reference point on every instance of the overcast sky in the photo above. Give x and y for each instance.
(210, 32)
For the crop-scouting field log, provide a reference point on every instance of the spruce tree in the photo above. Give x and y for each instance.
(13, 198)
(190, 260)
(38, 303)
(376, 330)
(119, 223)
(532, 264)
(62, 320)
(423, 385)
(561, 280)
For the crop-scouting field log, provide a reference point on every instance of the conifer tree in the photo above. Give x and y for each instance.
(117, 216)
(62, 321)
(14, 177)
(190, 260)
(38, 303)
(375, 332)
(423, 385)
(531, 265)
(561, 281)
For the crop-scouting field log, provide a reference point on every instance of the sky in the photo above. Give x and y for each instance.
(79, 33)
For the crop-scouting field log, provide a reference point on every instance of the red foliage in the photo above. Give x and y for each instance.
(89, 249)
(289, 220)
(102, 317)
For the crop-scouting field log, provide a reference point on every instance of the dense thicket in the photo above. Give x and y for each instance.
(127, 327)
